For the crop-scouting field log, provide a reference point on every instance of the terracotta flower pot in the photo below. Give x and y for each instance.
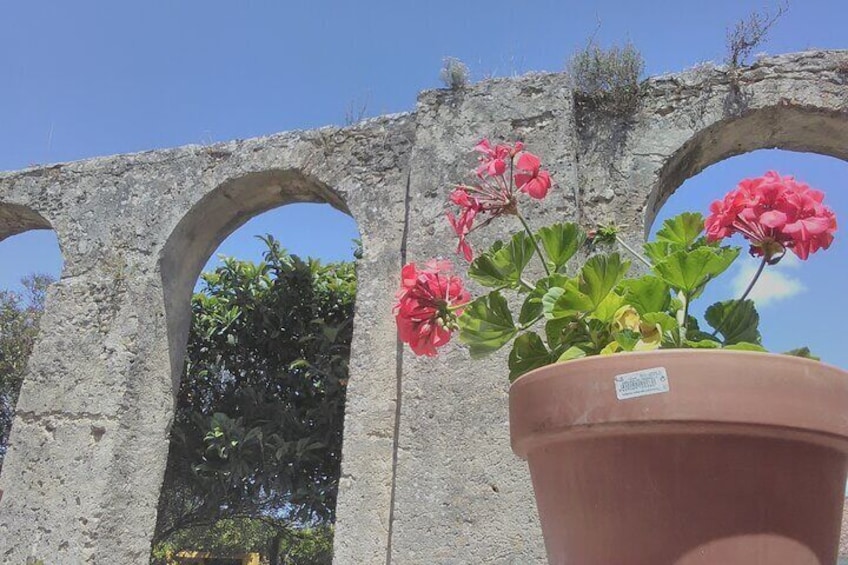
(742, 460)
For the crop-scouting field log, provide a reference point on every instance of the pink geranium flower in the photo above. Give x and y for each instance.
(531, 179)
(774, 214)
(490, 198)
(462, 225)
(813, 224)
(496, 192)
(426, 306)
(493, 160)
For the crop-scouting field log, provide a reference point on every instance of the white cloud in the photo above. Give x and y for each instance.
(775, 284)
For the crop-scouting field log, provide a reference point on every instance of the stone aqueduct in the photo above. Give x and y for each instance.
(428, 475)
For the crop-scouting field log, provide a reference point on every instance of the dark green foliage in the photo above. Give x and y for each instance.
(234, 536)
(258, 428)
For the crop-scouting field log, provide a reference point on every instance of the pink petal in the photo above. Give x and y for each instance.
(496, 168)
(439, 266)
(408, 275)
(773, 219)
(483, 147)
(529, 162)
(521, 179)
(465, 249)
(814, 226)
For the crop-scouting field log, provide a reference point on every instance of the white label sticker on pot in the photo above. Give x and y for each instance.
(641, 383)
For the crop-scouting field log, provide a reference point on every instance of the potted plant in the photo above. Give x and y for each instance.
(650, 439)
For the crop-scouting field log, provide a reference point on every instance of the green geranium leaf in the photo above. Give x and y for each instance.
(608, 307)
(568, 332)
(532, 307)
(689, 271)
(502, 265)
(610, 348)
(549, 300)
(726, 256)
(599, 276)
(682, 230)
(647, 294)
(657, 251)
(735, 321)
(693, 326)
(694, 334)
(802, 352)
(528, 353)
(680, 233)
(703, 344)
(627, 339)
(561, 242)
(486, 324)
(745, 346)
(561, 330)
(572, 352)
(565, 301)
(665, 321)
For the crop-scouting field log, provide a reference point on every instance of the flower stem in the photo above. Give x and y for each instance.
(744, 294)
(633, 252)
(535, 243)
(531, 323)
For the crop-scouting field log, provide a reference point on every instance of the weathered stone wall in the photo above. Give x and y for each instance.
(427, 473)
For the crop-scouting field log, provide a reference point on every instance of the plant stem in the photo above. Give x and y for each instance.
(685, 324)
(535, 243)
(744, 295)
(633, 252)
(530, 324)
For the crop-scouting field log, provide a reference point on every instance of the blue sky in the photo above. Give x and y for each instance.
(89, 78)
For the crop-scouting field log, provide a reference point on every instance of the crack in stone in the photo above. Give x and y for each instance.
(399, 390)
(31, 417)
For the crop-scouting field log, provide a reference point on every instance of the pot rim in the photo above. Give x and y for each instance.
(659, 352)
(709, 392)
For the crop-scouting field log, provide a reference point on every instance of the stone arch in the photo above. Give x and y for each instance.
(793, 128)
(213, 218)
(16, 219)
(209, 222)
